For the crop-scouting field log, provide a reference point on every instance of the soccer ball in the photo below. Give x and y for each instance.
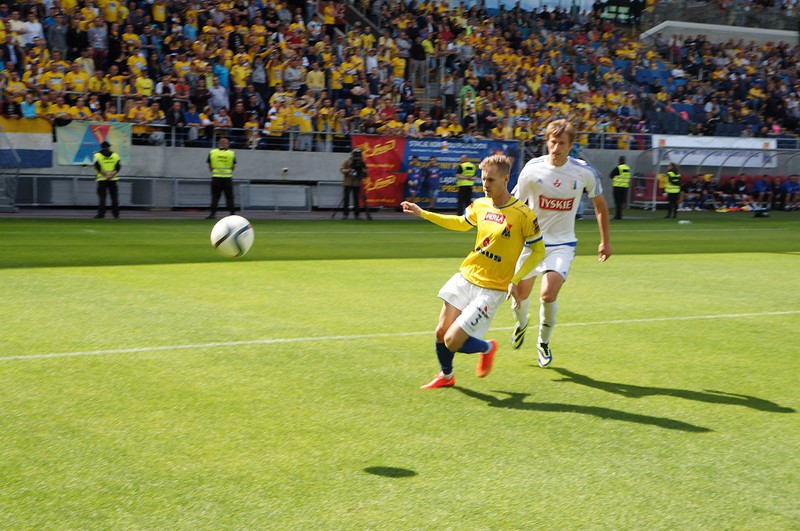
(232, 236)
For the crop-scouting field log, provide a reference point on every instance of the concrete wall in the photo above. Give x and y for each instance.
(164, 178)
(190, 163)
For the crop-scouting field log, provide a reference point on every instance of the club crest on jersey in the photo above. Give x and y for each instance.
(495, 217)
(548, 203)
(507, 231)
(557, 183)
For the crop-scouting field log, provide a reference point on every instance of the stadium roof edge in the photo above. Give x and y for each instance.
(720, 33)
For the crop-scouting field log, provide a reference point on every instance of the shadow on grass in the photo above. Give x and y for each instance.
(636, 391)
(517, 401)
(390, 472)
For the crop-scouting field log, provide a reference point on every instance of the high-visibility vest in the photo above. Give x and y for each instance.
(673, 185)
(221, 162)
(107, 164)
(623, 177)
(467, 171)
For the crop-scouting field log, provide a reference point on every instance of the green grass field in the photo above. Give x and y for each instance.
(148, 383)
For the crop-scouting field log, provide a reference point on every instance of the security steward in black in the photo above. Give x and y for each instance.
(673, 190)
(465, 180)
(621, 180)
(106, 169)
(221, 162)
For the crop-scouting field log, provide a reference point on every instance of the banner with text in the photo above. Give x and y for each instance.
(78, 142)
(715, 151)
(383, 155)
(448, 153)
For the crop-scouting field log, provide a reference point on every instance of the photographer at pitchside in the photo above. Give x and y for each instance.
(354, 171)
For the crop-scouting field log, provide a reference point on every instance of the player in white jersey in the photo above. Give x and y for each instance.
(552, 186)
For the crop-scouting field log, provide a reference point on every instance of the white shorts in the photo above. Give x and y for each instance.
(478, 305)
(557, 258)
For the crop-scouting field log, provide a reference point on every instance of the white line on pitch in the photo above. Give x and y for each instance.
(365, 336)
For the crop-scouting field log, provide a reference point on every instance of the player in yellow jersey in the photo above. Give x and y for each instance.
(486, 277)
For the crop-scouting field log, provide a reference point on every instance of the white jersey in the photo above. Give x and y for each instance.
(554, 193)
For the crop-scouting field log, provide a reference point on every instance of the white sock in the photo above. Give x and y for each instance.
(547, 320)
(521, 313)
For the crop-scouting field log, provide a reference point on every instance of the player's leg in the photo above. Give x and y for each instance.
(455, 296)
(555, 268)
(447, 317)
(522, 311)
(467, 332)
(550, 287)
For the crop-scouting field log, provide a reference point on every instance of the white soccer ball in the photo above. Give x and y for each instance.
(232, 236)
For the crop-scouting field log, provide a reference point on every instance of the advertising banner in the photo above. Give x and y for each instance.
(383, 156)
(715, 151)
(448, 153)
(78, 142)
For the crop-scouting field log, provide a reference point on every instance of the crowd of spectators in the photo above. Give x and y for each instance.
(259, 71)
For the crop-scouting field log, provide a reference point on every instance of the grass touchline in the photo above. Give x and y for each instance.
(367, 336)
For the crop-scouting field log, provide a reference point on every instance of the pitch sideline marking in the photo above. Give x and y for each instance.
(364, 336)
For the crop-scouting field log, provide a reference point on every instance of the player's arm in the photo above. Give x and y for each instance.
(458, 223)
(536, 256)
(604, 250)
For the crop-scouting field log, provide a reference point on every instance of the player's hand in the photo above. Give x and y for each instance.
(513, 294)
(604, 252)
(411, 208)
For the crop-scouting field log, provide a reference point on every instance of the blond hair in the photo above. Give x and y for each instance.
(501, 162)
(558, 128)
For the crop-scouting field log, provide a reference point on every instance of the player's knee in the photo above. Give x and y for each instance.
(524, 289)
(440, 333)
(549, 297)
(452, 341)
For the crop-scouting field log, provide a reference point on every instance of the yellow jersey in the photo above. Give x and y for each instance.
(502, 233)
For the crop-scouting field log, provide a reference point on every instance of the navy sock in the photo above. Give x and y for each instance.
(445, 356)
(473, 345)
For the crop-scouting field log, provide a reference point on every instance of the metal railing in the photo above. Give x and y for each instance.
(339, 142)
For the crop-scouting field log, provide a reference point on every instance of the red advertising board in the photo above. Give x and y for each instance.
(383, 155)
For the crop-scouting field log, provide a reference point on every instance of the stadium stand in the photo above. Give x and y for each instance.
(274, 75)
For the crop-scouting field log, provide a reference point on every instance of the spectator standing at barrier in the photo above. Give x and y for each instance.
(106, 169)
(621, 181)
(432, 182)
(673, 190)
(221, 162)
(176, 119)
(465, 180)
(415, 178)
